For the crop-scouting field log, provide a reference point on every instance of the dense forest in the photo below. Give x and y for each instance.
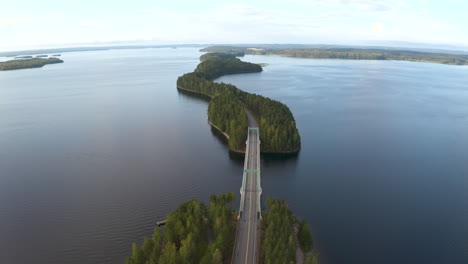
(215, 66)
(278, 132)
(226, 111)
(27, 63)
(349, 54)
(278, 242)
(220, 55)
(194, 233)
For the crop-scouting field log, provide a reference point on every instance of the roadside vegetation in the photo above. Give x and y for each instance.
(227, 113)
(278, 242)
(27, 63)
(194, 233)
(278, 132)
(305, 237)
(349, 54)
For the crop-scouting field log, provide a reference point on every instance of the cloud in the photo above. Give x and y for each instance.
(301, 21)
(234, 23)
(339, 14)
(377, 27)
(12, 21)
(370, 5)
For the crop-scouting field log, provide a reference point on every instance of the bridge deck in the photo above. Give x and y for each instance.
(246, 244)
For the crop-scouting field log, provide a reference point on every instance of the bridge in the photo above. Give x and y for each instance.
(246, 246)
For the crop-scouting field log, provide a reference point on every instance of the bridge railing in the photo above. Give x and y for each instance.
(257, 172)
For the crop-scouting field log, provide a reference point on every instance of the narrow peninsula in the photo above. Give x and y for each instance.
(27, 63)
(228, 107)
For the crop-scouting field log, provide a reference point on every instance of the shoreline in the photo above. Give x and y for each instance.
(291, 152)
(226, 136)
(252, 117)
(217, 128)
(192, 91)
(243, 72)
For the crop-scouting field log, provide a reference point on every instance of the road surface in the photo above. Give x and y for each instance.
(246, 249)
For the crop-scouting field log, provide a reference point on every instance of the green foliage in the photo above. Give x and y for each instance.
(311, 259)
(226, 112)
(217, 257)
(194, 82)
(27, 63)
(215, 67)
(169, 255)
(278, 132)
(305, 237)
(349, 54)
(278, 245)
(193, 233)
(208, 56)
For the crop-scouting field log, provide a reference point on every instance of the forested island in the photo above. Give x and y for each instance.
(347, 54)
(226, 110)
(195, 233)
(27, 63)
(283, 234)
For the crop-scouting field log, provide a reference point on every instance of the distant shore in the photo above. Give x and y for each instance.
(347, 53)
(27, 63)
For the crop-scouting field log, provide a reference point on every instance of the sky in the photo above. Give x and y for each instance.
(59, 23)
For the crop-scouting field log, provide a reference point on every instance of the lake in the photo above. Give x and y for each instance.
(95, 150)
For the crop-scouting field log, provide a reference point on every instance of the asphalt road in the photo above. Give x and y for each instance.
(246, 244)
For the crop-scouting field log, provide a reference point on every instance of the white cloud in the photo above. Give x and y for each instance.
(301, 21)
(371, 5)
(233, 23)
(12, 21)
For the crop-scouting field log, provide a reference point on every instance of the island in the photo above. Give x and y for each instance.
(27, 63)
(196, 233)
(346, 53)
(230, 107)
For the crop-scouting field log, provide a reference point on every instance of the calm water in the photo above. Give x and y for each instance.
(95, 150)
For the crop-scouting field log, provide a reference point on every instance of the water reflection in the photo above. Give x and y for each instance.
(192, 95)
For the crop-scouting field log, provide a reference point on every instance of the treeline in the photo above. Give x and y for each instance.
(278, 132)
(194, 82)
(350, 54)
(215, 66)
(221, 55)
(278, 242)
(226, 111)
(306, 242)
(193, 233)
(27, 63)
